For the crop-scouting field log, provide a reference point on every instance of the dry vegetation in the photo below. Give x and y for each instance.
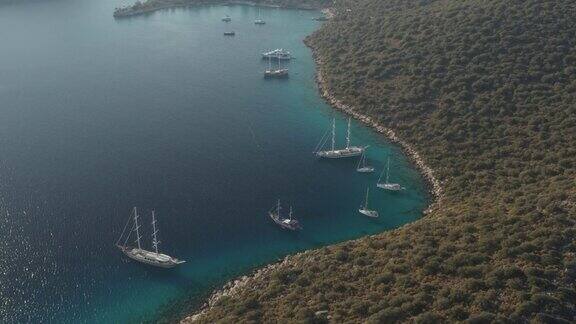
(485, 90)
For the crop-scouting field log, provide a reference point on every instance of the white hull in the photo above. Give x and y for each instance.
(277, 57)
(281, 73)
(151, 258)
(339, 154)
(288, 224)
(369, 213)
(365, 170)
(390, 186)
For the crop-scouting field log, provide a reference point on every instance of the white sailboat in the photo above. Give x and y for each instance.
(278, 73)
(259, 20)
(333, 153)
(278, 54)
(387, 185)
(364, 209)
(362, 166)
(139, 254)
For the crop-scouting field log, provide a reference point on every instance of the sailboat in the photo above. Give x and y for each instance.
(286, 223)
(387, 185)
(364, 209)
(154, 258)
(259, 20)
(333, 153)
(226, 18)
(278, 73)
(362, 166)
(278, 54)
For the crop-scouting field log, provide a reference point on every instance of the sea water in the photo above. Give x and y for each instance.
(163, 112)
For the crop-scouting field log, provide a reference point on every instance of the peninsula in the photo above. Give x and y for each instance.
(482, 93)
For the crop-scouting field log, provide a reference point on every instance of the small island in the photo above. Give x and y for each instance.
(148, 6)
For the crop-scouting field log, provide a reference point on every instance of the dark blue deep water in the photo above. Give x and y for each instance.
(162, 111)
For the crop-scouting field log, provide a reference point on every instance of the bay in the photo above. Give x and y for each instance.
(163, 112)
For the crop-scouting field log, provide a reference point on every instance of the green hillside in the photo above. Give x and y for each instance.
(485, 91)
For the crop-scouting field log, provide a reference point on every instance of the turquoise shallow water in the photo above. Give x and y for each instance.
(162, 111)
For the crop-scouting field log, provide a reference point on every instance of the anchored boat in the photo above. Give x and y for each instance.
(286, 223)
(278, 54)
(364, 208)
(259, 20)
(362, 166)
(387, 185)
(278, 73)
(226, 18)
(154, 258)
(333, 153)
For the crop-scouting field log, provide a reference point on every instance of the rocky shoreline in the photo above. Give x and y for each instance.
(231, 287)
(433, 184)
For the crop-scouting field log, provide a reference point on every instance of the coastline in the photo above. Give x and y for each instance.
(432, 183)
(232, 286)
(129, 11)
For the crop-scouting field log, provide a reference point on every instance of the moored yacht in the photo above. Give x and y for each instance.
(286, 223)
(387, 185)
(259, 20)
(363, 166)
(333, 153)
(364, 208)
(226, 18)
(278, 73)
(278, 54)
(137, 253)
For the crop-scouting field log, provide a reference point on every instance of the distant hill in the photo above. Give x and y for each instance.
(485, 90)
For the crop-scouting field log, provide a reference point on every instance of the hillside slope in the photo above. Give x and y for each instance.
(485, 90)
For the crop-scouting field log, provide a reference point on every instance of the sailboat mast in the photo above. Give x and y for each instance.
(366, 204)
(348, 135)
(290, 215)
(137, 227)
(333, 132)
(278, 208)
(154, 232)
(388, 170)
